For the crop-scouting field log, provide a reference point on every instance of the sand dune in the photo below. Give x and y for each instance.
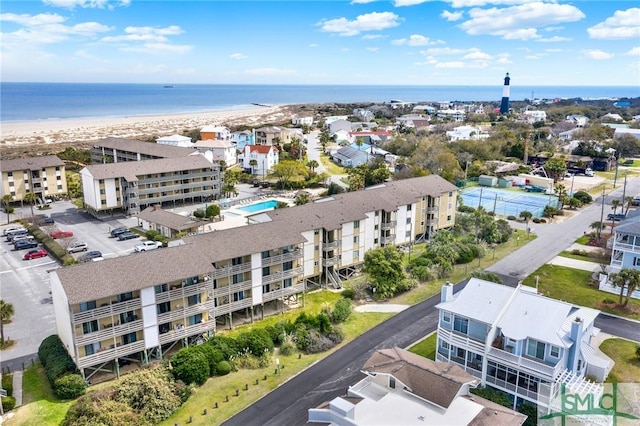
(87, 129)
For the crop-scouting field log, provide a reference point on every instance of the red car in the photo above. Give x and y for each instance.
(34, 254)
(61, 234)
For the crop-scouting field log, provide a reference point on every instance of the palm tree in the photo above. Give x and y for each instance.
(302, 198)
(312, 164)
(526, 215)
(628, 202)
(614, 206)
(6, 312)
(628, 279)
(598, 227)
(6, 200)
(30, 198)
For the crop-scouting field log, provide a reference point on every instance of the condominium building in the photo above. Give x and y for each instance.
(520, 342)
(44, 176)
(138, 307)
(118, 150)
(129, 187)
(402, 388)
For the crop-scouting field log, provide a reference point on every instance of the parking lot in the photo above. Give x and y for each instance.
(25, 283)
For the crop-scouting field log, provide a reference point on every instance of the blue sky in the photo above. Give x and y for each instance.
(400, 42)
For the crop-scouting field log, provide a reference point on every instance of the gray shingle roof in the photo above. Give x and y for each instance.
(30, 163)
(147, 148)
(129, 169)
(168, 219)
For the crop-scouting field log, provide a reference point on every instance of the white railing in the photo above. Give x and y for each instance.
(627, 247)
(461, 340)
(281, 258)
(225, 271)
(181, 333)
(521, 362)
(110, 332)
(181, 292)
(282, 292)
(282, 275)
(109, 354)
(108, 310)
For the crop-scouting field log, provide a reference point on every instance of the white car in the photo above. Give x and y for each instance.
(147, 245)
(12, 228)
(77, 247)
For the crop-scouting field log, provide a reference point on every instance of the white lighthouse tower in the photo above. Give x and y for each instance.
(504, 105)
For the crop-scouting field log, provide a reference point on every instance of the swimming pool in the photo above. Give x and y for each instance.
(257, 207)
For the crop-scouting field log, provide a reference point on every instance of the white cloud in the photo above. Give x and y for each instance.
(372, 49)
(362, 1)
(452, 16)
(554, 50)
(623, 24)
(149, 40)
(477, 56)
(372, 36)
(32, 20)
(238, 56)
(634, 52)
(401, 3)
(416, 40)
(154, 48)
(374, 21)
(443, 51)
(270, 71)
(313, 45)
(133, 37)
(521, 21)
(470, 58)
(453, 64)
(554, 39)
(100, 4)
(597, 54)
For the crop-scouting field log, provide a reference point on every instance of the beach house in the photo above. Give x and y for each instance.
(44, 176)
(260, 159)
(217, 150)
(215, 132)
(175, 140)
(625, 253)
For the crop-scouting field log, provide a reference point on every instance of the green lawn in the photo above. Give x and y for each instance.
(332, 168)
(426, 347)
(584, 240)
(623, 352)
(596, 257)
(573, 286)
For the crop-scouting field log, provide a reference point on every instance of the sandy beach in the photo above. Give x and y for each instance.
(22, 134)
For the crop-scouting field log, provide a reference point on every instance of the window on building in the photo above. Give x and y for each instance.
(535, 349)
(85, 306)
(554, 351)
(163, 307)
(91, 349)
(90, 327)
(356, 254)
(287, 266)
(266, 271)
(356, 224)
(446, 317)
(266, 288)
(460, 324)
(193, 300)
(236, 261)
(448, 217)
(450, 193)
(392, 382)
(164, 328)
(161, 288)
(238, 278)
(238, 296)
(125, 296)
(356, 239)
(129, 338)
(265, 254)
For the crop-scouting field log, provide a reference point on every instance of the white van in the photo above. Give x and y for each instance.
(588, 172)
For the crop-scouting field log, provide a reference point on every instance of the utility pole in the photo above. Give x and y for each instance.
(601, 214)
(624, 189)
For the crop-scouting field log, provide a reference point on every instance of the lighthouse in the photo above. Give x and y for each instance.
(504, 105)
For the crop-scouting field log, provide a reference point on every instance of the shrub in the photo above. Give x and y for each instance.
(288, 346)
(69, 386)
(466, 209)
(190, 365)
(487, 276)
(212, 210)
(213, 355)
(511, 217)
(8, 403)
(318, 342)
(583, 196)
(223, 368)
(543, 220)
(55, 359)
(349, 293)
(257, 342)
(7, 383)
(151, 234)
(341, 311)
(227, 345)
(535, 220)
(99, 408)
(199, 214)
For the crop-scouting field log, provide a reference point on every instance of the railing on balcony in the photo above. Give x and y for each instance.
(283, 292)
(330, 246)
(225, 271)
(107, 310)
(282, 275)
(182, 332)
(388, 239)
(523, 363)
(330, 261)
(627, 247)
(226, 308)
(109, 332)
(513, 388)
(385, 226)
(182, 312)
(281, 258)
(461, 340)
(183, 291)
(111, 353)
(227, 290)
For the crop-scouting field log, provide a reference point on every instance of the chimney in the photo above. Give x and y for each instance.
(576, 336)
(447, 292)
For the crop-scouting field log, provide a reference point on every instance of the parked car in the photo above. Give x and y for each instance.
(22, 237)
(616, 217)
(12, 228)
(11, 235)
(636, 201)
(127, 236)
(94, 254)
(35, 254)
(117, 231)
(77, 247)
(61, 234)
(147, 245)
(48, 220)
(25, 244)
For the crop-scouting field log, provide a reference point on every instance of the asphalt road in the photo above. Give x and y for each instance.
(330, 377)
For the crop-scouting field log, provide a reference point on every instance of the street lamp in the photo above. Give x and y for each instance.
(278, 365)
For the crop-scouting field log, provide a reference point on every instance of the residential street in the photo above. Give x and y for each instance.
(330, 377)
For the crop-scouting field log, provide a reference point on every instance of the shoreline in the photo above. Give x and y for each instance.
(52, 131)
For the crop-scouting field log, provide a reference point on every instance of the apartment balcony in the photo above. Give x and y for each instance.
(330, 261)
(226, 271)
(282, 275)
(227, 308)
(107, 310)
(109, 332)
(626, 247)
(173, 177)
(181, 292)
(177, 188)
(110, 353)
(330, 246)
(178, 333)
(283, 292)
(35, 180)
(182, 312)
(227, 290)
(387, 226)
(389, 239)
(433, 209)
(525, 364)
(281, 258)
(461, 340)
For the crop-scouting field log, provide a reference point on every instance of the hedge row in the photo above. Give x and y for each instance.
(54, 249)
(60, 369)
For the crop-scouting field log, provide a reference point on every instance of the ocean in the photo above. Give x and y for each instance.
(45, 101)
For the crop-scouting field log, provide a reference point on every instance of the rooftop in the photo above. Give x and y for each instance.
(132, 169)
(30, 163)
(146, 148)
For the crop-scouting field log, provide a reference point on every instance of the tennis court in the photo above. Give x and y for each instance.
(504, 202)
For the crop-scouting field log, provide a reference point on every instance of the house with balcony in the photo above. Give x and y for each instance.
(625, 253)
(175, 140)
(260, 159)
(402, 388)
(118, 150)
(242, 138)
(217, 150)
(215, 132)
(131, 186)
(519, 342)
(44, 176)
(140, 307)
(273, 135)
(302, 120)
(451, 115)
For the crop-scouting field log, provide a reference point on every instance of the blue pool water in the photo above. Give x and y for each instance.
(262, 205)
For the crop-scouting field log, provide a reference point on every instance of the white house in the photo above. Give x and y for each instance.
(451, 114)
(265, 156)
(577, 119)
(533, 116)
(338, 125)
(625, 253)
(520, 342)
(628, 131)
(466, 133)
(215, 132)
(363, 114)
(302, 120)
(216, 150)
(175, 140)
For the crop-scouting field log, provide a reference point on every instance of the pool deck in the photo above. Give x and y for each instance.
(238, 217)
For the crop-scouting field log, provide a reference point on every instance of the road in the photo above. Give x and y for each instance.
(313, 153)
(330, 377)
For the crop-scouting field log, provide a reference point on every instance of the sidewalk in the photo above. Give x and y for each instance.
(576, 264)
